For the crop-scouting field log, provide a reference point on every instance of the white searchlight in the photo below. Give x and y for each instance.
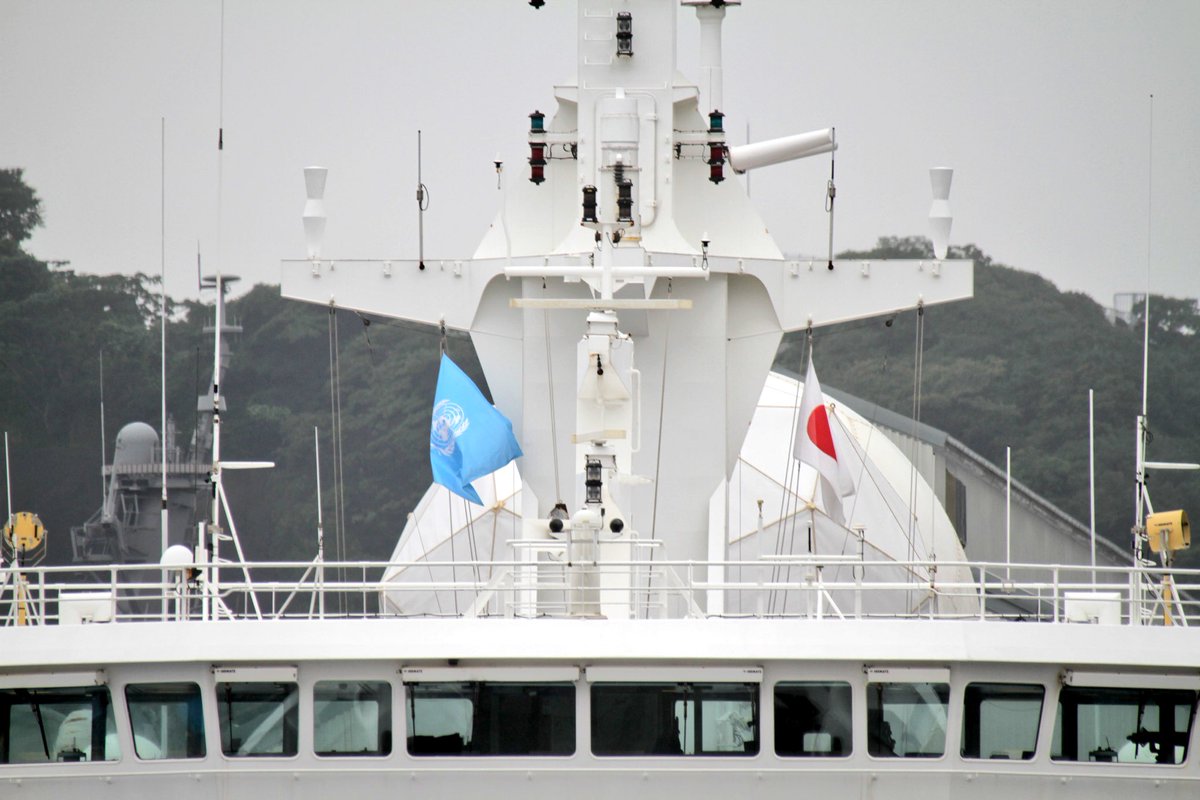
(744, 157)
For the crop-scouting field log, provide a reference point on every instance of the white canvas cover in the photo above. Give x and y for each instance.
(794, 522)
(446, 528)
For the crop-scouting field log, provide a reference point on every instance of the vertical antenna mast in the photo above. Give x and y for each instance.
(421, 206)
(103, 439)
(1092, 475)
(7, 480)
(1140, 498)
(320, 529)
(1142, 425)
(163, 319)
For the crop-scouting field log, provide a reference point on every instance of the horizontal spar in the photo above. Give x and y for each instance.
(588, 304)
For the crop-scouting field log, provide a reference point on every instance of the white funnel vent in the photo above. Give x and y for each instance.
(314, 209)
(940, 218)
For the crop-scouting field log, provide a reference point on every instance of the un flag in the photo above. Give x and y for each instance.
(469, 438)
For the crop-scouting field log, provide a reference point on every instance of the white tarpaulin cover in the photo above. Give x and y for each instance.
(794, 522)
(446, 528)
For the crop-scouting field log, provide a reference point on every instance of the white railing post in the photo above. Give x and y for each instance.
(1057, 616)
(982, 594)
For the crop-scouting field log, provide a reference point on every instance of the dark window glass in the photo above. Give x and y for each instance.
(167, 720)
(1000, 720)
(352, 718)
(65, 725)
(491, 719)
(812, 719)
(1127, 725)
(258, 718)
(907, 720)
(665, 719)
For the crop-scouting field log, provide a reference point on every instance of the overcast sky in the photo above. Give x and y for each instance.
(1041, 107)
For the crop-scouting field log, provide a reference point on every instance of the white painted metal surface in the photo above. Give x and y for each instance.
(681, 297)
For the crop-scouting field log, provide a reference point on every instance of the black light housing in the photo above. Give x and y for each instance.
(716, 147)
(592, 481)
(625, 201)
(589, 204)
(716, 162)
(537, 162)
(624, 34)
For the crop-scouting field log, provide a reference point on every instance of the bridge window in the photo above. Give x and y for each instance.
(674, 719)
(61, 724)
(491, 719)
(907, 720)
(1000, 720)
(257, 719)
(167, 720)
(1127, 725)
(812, 719)
(352, 718)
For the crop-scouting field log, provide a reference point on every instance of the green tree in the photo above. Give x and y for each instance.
(20, 210)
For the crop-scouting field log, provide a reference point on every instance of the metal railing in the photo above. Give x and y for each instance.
(774, 587)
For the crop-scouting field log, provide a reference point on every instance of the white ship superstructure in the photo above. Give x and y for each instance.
(656, 598)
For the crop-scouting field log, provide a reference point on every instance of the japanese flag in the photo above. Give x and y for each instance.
(814, 446)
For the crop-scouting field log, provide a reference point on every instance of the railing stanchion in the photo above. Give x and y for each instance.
(1054, 573)
(982, 594)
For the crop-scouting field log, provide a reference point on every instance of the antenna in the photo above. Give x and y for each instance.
(103, 439)
(7, 479)
(831, 192)
(1008, 512)
(1141, 497)
(1092, 475)
(320, 529)
(163, 319)
(8, 488)
(422, 204)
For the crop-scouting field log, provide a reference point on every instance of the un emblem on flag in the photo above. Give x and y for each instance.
(449, 422)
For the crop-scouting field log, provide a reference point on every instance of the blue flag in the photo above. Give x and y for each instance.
(469, 438)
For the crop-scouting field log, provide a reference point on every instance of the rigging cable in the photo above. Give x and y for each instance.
(918, 366)
(341, 473)
(662, 396)
(553, 415)
(453, 557)
(791, 473)
(333, 425)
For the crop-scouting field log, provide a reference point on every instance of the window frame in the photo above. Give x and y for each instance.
(913, 680)
(966, 715)
(65, 693)
(833, 684)
(690, 695)
(203, 734)
(475, 688)
(387, 719)
(1148, 690)
(292, 698)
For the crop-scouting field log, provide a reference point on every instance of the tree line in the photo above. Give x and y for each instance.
(1011, 367)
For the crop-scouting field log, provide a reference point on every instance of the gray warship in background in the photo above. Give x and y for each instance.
(127, 528)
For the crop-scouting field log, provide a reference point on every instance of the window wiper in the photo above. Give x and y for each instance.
(37, 714)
